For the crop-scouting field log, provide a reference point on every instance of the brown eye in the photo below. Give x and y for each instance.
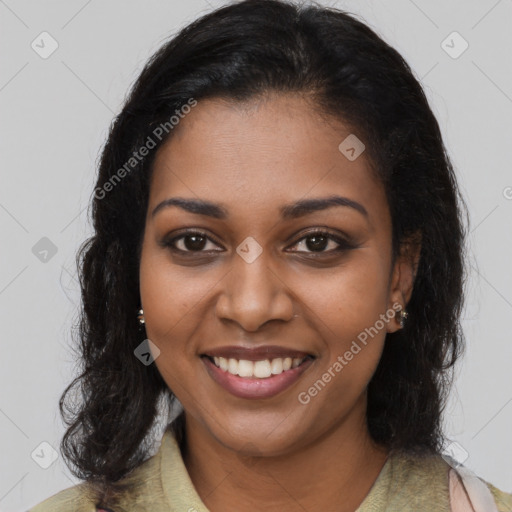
(316, 242)
(194, 242)
(190, 242)
(319, 241)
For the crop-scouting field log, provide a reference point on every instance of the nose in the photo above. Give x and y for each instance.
(253, 295)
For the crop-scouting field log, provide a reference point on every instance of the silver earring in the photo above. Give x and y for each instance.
(402, 317)
(141, 316)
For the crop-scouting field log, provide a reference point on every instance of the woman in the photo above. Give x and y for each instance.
(279, 246)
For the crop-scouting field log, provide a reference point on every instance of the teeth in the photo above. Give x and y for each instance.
(245, 368)
(233, 366)
(262, 369)
(223, 363)
(259, 369)
(276, 366)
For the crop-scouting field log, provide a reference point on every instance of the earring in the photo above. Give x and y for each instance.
(402, 317)
(141, 316)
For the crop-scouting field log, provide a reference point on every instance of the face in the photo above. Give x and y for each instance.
(250, 285)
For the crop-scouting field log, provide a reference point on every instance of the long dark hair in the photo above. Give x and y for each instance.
(238, 52)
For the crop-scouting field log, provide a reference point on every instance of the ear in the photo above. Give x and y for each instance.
(403, 276)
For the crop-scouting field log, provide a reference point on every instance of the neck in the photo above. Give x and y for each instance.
(339, 468)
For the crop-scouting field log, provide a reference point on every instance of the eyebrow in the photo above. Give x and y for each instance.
(289, 211)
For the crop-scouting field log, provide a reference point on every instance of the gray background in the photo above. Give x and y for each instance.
(55, 116)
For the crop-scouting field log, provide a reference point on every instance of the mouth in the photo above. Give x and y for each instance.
(256, 373)
(259, 369)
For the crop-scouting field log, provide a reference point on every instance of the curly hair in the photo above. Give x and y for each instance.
(238, 52)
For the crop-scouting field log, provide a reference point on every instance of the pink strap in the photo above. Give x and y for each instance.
(468, 493)
(459, 501)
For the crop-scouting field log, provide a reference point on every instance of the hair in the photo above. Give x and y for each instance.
(239, 52)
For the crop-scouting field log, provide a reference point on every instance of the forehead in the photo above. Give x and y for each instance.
(261, 154)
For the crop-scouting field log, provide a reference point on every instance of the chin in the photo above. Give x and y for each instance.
(267, 435)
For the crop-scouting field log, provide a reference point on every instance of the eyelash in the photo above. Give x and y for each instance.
(343, 244)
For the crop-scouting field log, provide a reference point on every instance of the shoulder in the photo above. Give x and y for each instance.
(419, 479)
(410, 481)
(503, 499)
(419, 469)
(140, 487)
(77, 498)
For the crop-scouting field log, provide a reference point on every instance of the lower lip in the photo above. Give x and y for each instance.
(246, 387)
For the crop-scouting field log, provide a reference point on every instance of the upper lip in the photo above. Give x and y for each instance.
(255, 353)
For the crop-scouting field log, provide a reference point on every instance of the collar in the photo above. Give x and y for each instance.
(405, 480)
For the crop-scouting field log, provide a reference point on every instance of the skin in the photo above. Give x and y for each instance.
(271, 454)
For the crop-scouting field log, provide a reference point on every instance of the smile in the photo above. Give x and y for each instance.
(256, 379)
(258, 369)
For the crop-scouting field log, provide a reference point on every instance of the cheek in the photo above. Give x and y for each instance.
(177, 305)
(347, 308)
(348, 299)
(166, 302)
(172, 301)
(170, 295)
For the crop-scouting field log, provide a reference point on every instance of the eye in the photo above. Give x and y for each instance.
(190, 242)
(318, 241)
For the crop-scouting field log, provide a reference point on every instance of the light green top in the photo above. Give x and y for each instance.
(406, 483)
